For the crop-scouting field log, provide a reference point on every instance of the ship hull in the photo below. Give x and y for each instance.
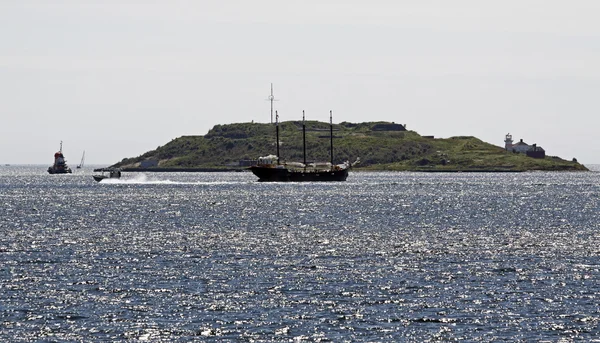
(66, 170)
(99, 177)
(271, 174)
(102, 177)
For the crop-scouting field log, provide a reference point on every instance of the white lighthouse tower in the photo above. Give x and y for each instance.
(508, 142)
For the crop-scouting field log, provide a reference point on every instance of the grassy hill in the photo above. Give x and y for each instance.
(380, 146)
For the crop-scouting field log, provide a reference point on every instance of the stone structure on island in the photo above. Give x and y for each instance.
(521, 147)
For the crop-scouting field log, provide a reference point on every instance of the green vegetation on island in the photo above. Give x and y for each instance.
(379, 145)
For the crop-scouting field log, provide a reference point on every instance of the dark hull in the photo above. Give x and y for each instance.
(99, 177)
(66, 170)
(102, 177)
(270, 174)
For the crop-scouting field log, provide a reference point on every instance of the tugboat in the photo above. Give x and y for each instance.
(60, 164)
(269, 168)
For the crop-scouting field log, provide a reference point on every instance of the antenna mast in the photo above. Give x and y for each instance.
(271, 99)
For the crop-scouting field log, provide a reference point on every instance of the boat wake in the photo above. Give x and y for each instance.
(142, 179)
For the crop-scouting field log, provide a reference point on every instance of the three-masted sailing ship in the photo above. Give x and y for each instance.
(270, 168)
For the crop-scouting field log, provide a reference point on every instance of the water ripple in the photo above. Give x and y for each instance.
(219, 257)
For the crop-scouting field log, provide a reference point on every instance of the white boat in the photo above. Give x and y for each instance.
(107, 173)
(80, 165)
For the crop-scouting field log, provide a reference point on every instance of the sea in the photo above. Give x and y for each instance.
(220, 257)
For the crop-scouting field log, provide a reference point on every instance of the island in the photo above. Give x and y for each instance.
(380, 146)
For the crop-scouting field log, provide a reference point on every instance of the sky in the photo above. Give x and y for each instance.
(119, 78)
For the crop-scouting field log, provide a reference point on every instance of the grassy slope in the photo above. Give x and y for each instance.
(225, 145)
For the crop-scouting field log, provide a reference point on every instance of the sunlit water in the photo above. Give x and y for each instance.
(219, 257)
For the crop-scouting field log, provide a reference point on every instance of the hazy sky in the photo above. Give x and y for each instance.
(119, 78)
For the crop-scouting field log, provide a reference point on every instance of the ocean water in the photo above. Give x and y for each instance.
(218, 257)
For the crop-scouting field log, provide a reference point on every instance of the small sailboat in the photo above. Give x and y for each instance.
(80, 165)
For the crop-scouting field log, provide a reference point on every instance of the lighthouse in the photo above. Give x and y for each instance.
(508, 142)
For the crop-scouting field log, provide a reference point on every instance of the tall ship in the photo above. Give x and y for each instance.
(60, 164)
(270, 168)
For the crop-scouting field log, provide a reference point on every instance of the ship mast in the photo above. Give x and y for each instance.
(277, 134)
(304, 138)
(331, 134)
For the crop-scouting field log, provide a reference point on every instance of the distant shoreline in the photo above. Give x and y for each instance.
(221, 170)
(182, 170)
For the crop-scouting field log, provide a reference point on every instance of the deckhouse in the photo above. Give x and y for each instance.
(523, 148)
